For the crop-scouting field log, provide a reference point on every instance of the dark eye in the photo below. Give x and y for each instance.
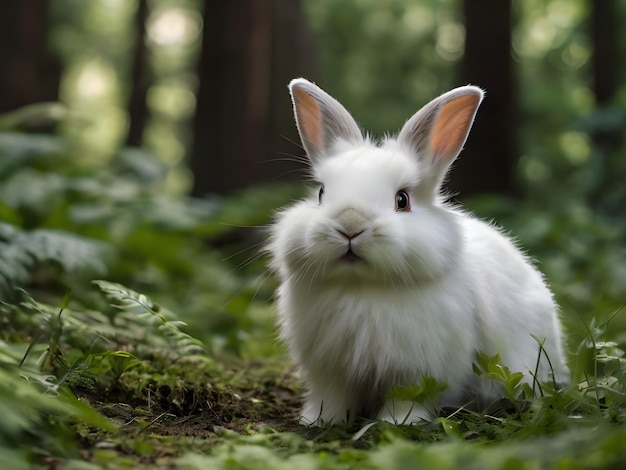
(403, 202)
(321, 194)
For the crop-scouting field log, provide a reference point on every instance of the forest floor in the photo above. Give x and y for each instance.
(131, 390)
(244, 416)
(158, 426)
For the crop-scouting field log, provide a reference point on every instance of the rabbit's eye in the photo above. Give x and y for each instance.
(403, 202)
(321, 194)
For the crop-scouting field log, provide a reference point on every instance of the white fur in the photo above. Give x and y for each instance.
(434, 287)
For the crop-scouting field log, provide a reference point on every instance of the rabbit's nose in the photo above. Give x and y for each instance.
(350, 236)
(352, 223)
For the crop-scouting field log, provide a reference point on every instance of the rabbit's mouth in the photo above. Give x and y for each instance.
(351, 257)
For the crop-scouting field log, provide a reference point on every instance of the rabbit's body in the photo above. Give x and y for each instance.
(373, 296)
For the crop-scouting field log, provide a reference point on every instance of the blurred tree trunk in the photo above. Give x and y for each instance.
(137, 106)
(29, 72)
(608, 124)
(487, 165)
(604, 39)
(250, 50)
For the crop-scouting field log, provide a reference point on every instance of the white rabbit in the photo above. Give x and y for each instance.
(383, 283)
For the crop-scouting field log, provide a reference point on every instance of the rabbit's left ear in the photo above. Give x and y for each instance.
(438, 131)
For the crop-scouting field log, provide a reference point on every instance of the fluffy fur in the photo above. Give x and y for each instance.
(374, 294)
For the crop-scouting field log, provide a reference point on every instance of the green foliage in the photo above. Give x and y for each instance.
(426, 390)
(24, 255)
(600, 370)
(78, 220)
(127, 300)
(37, 404)
(491, 368)
(66, 220)
(80, 351)
(600, 449)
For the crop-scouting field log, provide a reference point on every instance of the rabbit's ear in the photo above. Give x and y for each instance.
(437, 132)
(321, 119)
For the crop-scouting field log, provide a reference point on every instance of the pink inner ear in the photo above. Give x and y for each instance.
(452, 126)
(309, 118)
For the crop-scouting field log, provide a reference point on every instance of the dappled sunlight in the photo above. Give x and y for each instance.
(95, 82)
(575, 146)
(450, 41)
(174, 27)
(547, 25)
(172, 100)
(418, 20)
(88, 86)
(96, 86)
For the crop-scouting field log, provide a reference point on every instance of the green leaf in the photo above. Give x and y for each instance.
(85, 413)
(23, 251)
(427, 389)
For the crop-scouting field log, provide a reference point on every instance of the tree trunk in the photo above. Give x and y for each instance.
(294, 54)
(608, 130)
(487, 165)
(137, 105)
(249, 47)
(605, 57)
(30, 73)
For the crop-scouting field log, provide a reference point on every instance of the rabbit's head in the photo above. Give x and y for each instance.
(376, 217)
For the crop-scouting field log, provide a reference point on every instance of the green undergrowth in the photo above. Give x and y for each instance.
(129, 388)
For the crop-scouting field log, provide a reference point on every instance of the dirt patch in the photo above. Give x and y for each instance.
(195, 405)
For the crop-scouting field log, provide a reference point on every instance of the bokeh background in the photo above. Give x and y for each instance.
(154, 139)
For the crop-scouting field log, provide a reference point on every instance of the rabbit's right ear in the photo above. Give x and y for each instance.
(321, 119)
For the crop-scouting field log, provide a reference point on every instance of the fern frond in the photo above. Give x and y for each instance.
(143, 308)
(20, 149)
(22, 252)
